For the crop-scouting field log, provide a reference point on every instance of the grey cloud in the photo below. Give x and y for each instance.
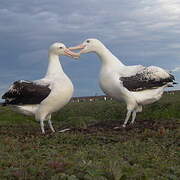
(136, 31)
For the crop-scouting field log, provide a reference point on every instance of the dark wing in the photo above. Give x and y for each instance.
(26, 92)
(149, 78)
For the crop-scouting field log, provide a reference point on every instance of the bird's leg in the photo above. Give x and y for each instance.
(133, 116)
(50, 123)
(42, 126)
(51, 126)
(127, 117)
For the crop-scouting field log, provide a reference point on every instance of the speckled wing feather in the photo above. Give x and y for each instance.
(26, 92)
(149, 78)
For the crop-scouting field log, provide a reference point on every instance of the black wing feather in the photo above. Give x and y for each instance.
(26, 92)
(140, 82)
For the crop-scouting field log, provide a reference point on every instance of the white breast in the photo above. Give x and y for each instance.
(61, 92)
(110, 84)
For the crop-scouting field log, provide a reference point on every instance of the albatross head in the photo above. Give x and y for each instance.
(89, 45)
(60, 49)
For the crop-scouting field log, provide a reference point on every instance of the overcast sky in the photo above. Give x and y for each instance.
(143, 32)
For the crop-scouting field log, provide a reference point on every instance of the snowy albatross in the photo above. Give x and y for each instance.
(44, 96)
(136, 85)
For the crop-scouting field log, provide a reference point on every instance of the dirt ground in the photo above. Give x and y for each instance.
(139, 126)
(103, 126)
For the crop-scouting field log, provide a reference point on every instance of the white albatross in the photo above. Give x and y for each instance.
(136, 85)
(44, 96)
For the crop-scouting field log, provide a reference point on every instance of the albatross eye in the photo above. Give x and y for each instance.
(60, 47)
(88, 41)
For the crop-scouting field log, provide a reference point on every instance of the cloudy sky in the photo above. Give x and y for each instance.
(137, 31)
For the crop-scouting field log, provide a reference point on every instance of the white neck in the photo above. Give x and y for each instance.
(54, 66)
(107, 57)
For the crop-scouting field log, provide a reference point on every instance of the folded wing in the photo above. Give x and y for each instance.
(147, 78)
(26, 92)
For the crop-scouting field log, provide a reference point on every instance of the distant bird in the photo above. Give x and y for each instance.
(44, 96)
(136, 85)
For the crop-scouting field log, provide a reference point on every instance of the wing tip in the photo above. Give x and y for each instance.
(4, 96)
(4, 104)
(172, 77)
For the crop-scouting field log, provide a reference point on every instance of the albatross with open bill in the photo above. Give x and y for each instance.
(44, 96)
(136, 85)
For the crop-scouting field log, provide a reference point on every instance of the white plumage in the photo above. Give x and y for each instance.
(44, 96)
(136, 85)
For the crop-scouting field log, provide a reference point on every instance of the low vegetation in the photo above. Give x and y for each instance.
(93, 149)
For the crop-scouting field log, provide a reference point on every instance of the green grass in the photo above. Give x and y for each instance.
(93, 150)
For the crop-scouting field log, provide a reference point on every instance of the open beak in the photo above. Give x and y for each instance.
(68, 52)
(81, 46)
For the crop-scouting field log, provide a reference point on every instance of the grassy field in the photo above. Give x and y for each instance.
(93, 149)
